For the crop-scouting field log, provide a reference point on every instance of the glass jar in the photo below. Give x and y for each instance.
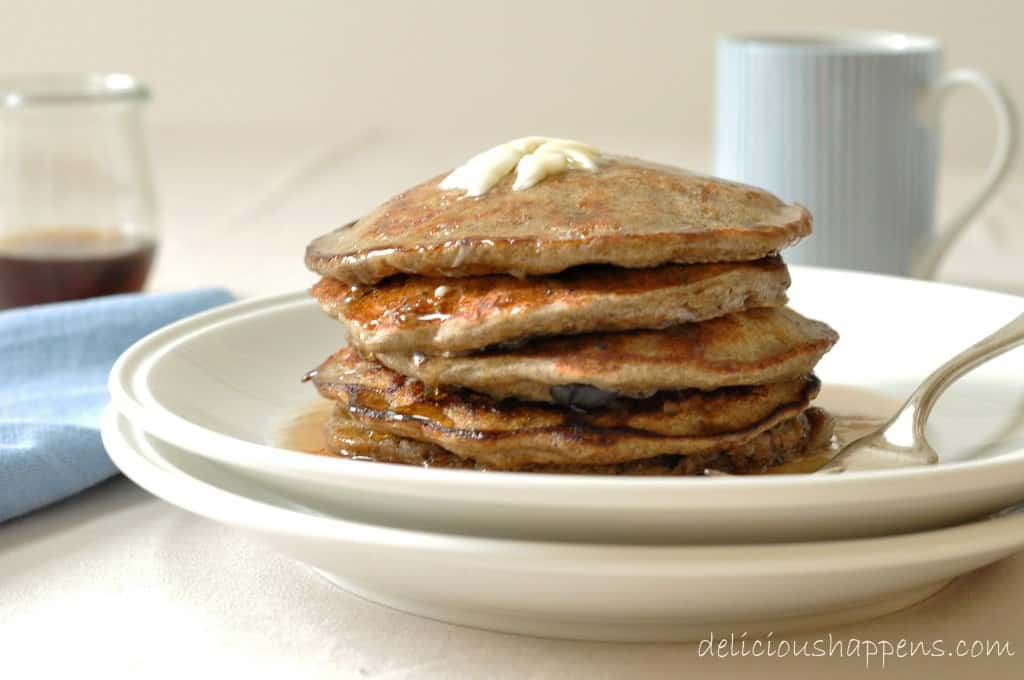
(77, 209)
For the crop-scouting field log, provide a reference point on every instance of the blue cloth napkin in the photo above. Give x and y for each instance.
(54, 361)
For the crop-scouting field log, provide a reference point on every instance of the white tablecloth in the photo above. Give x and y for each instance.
(115, 582)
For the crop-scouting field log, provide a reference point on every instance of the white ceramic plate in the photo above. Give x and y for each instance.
(217, 383)
(587, 591)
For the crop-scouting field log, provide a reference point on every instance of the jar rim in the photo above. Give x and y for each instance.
(70, 88)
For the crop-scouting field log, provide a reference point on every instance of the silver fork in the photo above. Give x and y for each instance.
(901, 441)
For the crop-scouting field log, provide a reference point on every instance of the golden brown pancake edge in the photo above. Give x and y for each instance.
(804, 435)
(453, 316)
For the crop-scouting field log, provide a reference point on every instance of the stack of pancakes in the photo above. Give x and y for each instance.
(630, 320)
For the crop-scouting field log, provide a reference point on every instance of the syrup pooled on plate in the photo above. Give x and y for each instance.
(856, 411)
(52, 265)
(303, 429)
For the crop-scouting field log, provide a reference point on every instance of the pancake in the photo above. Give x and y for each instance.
(754, 347)
(505, 434)
(791, 440)
(451, 316)
(376, 393)
(628, 213)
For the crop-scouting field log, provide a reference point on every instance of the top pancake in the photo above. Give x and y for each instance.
(451, 316)
(628, 213)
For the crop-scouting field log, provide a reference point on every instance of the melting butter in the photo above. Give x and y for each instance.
(533, 159)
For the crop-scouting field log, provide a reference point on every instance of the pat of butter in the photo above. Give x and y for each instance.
(533, 159)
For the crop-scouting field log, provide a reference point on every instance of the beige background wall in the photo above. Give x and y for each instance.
(499, 69)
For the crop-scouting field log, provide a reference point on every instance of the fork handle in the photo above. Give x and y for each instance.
(919, 405)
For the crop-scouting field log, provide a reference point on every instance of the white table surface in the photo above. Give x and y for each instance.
(117, 583)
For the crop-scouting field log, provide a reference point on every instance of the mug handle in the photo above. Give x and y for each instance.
(928, 260)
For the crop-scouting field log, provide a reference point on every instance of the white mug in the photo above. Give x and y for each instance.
(847, 124)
